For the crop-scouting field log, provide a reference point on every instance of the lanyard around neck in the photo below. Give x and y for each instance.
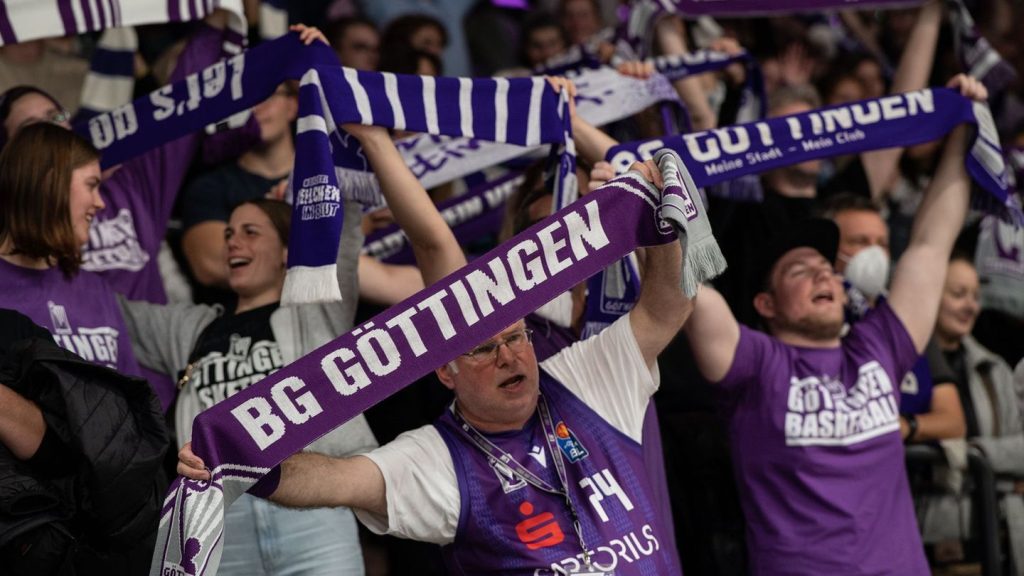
(496, 454)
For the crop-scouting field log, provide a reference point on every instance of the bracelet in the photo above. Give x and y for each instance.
(912, 426)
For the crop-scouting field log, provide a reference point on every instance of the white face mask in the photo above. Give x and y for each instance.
(868, 270)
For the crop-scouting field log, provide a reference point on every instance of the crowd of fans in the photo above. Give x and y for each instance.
(136, 297)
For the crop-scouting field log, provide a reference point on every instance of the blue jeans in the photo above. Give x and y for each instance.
(263, 538)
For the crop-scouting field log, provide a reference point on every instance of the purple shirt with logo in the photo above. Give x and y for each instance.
(81, 313)
(508, 526)
(125, 237)
(817, 452)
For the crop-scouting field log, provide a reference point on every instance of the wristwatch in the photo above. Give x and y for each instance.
(911, 428)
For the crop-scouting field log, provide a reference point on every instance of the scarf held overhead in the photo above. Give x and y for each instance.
(24, 20)
(722, 154)
(245, 436)
(603, 96)
(759, 7)
(520, 111)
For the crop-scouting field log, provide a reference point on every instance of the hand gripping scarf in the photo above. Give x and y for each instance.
(736, 154)
(603, 96)
(111, 79)
(901, 120)
(246, 436)
(520, 111)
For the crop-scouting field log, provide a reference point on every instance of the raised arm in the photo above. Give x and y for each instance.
(919, 275)
(387, 284)
(437, 251)
(671, 37)
(591, 143)
(662, 308)
(713, 333)
(912, 74)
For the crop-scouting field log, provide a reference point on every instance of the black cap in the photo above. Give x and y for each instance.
(818, 233)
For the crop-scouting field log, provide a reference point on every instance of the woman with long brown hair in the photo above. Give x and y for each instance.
(49, 193)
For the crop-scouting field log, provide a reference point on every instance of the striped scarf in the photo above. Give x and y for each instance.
(244, 437)
(522, 112)
(24, 20)
(604, 96)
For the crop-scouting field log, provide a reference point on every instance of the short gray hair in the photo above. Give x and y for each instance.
(786, 95)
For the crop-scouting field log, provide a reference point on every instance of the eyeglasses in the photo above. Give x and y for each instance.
(55, 116)
(488, 352)
(58, 116)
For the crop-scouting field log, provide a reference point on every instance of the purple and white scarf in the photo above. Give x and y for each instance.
(999, 258)
(523, 111)
(611, 293)
(603, 96)
(111, 79)
(730, 158)
(273, 19)
(520, 111)
(977, 56)
(246, 436)
(24, 20)
(738, 8)
(901, 120)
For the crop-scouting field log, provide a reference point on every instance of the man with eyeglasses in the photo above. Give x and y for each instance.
(536, 468)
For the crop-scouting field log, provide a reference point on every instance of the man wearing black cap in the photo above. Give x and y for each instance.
(813, 417)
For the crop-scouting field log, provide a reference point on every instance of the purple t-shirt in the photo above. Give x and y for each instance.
(817, 452)
(125, 237)
(81, 313)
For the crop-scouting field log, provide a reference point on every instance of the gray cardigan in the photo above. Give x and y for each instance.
(947, 515)
(1003, 447)
(163, 337)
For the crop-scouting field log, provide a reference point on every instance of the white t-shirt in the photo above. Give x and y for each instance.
(607, 372)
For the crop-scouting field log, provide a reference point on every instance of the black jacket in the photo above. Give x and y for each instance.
(89, 501)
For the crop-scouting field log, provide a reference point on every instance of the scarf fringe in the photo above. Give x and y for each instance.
(702, 257)
(703, 261)
(362, 187)
(311, 284)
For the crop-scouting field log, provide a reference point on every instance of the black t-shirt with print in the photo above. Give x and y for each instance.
(235, 351)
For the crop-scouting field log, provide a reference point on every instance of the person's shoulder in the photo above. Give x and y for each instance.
(424, 439)
(878, 321)
(754, 340)
(979, 354)
(420, 452)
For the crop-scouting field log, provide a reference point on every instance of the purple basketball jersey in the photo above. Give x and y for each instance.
(509, 526)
